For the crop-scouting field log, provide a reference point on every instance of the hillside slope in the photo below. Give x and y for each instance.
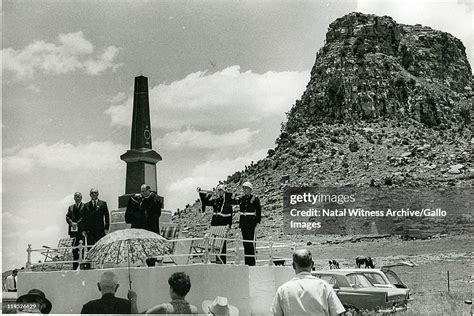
(387, 105)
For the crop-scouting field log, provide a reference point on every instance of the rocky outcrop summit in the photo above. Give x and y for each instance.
(387, 105)
(371, 67)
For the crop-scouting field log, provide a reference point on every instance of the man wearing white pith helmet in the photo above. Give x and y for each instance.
(250, 215)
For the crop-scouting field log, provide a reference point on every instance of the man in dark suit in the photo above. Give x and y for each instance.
(96, 218)
(144, 210)
(134, 214)
(151, 205)
(74, 217)
(108, 303)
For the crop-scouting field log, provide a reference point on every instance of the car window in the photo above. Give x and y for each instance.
(375, 278)
(392, 277)
(358, 280)
(331, 279)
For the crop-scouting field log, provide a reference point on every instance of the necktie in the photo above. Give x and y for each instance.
(95, 204)
(14, 282)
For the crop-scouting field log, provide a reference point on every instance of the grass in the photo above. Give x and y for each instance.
(427, 281)
(441, 303)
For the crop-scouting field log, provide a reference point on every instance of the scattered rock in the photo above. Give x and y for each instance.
(285, 178)
(454, 171)
(354, 146)
(369, 116)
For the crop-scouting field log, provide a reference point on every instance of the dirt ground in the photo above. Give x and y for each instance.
(428, 281)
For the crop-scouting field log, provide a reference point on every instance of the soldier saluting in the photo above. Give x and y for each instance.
(221, 203)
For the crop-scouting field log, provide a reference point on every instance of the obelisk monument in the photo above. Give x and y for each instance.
(141, 159)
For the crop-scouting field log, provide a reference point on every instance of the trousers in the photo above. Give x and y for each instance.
(94, 236)
(248, 233)
(75, 251)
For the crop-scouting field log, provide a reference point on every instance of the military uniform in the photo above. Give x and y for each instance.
(222, 212)
(250, 215)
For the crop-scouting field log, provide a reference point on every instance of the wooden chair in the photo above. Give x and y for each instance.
(171, 232)
(56, 254)
(215, 245)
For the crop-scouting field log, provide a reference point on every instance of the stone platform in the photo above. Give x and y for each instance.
(250, 289)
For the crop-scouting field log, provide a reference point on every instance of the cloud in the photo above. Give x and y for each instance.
(34, 88)
(17, 240)
(429, 13)
(64, 157)
(230, 96)
(119, 97)
(72, 52)
(205, 139)
(11, 218)
(28, 225)
(206, 175)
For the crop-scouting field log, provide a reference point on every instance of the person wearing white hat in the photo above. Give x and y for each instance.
(220, 306)
(250, 216)
(221, 202)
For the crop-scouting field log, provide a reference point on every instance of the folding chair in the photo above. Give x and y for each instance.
(52, 254)
(171, 232)
(215, 245)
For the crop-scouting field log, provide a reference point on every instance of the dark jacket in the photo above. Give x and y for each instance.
(222, 208)
(134, 214)
(143, 212)
(152, 208)
(107, 304)
(96, 219)
(249, 204)
(75, 214)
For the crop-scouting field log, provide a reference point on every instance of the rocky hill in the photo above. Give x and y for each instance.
(387, 105)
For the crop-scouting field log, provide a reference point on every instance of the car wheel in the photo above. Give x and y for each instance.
(351, 311)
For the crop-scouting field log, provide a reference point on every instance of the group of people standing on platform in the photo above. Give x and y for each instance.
(89, 222)
(222, 203)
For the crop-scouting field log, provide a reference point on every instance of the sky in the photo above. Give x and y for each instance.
(221, 76)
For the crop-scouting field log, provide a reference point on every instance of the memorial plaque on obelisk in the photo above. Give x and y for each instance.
(141, 159)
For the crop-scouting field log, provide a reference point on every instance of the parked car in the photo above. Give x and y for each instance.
(358, 294)
(386, 277)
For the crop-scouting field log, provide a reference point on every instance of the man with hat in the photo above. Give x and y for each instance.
(250, 215)
(220, 306)
(222, 211)
(34, 302)
(74, 219)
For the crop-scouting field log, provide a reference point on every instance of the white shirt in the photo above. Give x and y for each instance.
(306, 295)
(10, 283)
